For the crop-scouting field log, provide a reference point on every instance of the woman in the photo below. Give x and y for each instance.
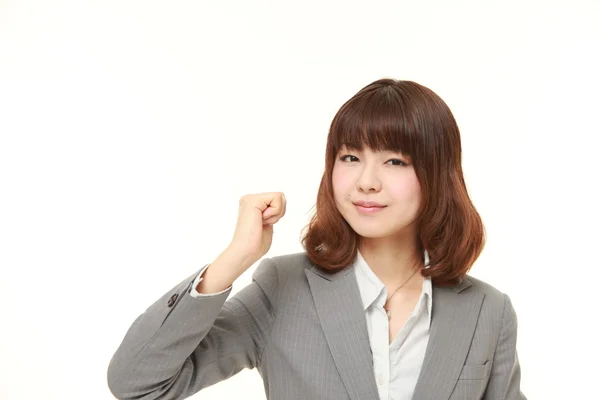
(379, 306)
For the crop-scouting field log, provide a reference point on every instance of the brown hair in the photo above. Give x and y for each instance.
(402, 116)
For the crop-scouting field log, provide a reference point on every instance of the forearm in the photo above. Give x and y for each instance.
(221, 273)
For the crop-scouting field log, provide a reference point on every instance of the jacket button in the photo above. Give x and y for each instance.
(172, 300)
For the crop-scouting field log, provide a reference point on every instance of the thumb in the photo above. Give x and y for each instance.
(269, 212)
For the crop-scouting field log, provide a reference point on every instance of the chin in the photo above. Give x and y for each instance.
(375, 229)
(371, 232)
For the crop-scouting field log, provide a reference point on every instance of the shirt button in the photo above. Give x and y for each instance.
(380, 380)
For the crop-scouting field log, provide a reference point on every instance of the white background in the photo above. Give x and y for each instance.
(129, 130)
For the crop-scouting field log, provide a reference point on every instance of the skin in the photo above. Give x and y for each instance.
(388, 239)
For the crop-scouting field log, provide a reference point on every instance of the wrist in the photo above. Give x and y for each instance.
(238, 257)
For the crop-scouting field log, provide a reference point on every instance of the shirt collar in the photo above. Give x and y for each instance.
(371, 287)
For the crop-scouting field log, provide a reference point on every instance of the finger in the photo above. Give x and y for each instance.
(277, 210)
(271, 221)
(271, 212)
(274, 207)
(284, 204)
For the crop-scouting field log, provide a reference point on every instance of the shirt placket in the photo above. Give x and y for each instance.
(381, 353)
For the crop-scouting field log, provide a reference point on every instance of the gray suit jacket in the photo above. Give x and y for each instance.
(305, 331)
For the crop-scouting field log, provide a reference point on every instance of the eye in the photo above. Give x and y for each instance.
(343, 158)
(398, 162)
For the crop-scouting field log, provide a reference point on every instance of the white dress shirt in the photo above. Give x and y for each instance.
(397, 365)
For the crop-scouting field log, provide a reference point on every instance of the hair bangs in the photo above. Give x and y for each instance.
(381, 119)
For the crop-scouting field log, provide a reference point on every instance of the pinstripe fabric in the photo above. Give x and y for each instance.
(305, 331)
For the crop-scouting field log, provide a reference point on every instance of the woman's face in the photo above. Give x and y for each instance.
(386, 178)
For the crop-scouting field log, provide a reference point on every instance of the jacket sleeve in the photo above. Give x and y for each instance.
(182, 344)
(199, 278)
(505, 379)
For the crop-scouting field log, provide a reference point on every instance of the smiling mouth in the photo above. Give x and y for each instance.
(368, 210)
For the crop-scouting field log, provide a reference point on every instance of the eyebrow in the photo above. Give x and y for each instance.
(346, 148)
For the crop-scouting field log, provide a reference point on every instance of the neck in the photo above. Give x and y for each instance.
(393, 260)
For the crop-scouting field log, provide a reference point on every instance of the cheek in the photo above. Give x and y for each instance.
(408, 190)
(340, 182)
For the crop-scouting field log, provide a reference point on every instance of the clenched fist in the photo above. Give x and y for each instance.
(254, 230)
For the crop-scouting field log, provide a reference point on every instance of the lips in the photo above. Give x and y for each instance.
(369, 204)
(372, 209)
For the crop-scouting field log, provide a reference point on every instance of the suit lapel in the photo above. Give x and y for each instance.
(340, 311)
(455, 313)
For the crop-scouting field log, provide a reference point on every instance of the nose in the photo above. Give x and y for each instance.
(368, 181)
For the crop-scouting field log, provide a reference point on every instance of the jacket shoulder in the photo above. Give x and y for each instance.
(292, 263)
(484, 287)
(495, 301)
